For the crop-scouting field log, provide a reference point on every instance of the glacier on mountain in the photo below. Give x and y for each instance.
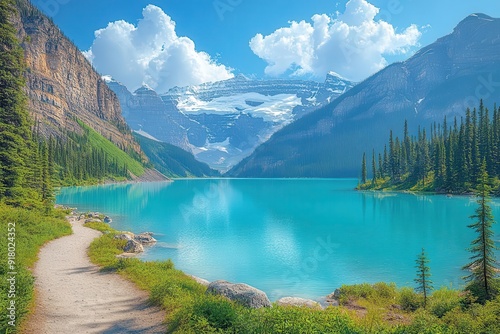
(223, 122)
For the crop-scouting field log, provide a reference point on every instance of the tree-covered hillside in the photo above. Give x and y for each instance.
(446, 159)
(173, 161)
(20, 160)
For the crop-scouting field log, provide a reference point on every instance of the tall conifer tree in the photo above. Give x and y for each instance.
(424, 283)
(483, 265)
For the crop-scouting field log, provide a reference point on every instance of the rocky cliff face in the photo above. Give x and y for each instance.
(63, 86)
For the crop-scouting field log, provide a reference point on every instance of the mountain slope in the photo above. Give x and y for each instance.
(443, 78)
(173, 161)
(63, 89)
(223, 122)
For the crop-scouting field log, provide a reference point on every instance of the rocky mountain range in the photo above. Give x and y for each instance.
(62, 86)
(444, 78)
(223, 122)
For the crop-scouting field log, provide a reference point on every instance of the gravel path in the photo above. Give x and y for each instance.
(73, 297)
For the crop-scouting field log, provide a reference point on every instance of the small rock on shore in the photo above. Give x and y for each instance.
(300, 302)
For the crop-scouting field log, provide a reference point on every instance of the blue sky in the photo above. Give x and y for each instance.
(223, 29)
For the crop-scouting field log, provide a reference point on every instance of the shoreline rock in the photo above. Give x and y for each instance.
(133, 246)
(125, 236)
(145, 238)
(298, 302)
(332, 299)
(243, 293)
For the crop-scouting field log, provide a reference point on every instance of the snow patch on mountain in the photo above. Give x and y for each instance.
(272, 108)
(223, 122)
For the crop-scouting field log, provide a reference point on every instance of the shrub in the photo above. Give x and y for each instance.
(384, 290)
(423, 323)
(220, 313)
(478, 291)
(459, 321)
(409, 299)
(443, 301)
(356, 291)
(377, 293)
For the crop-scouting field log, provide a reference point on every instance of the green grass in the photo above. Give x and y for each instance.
(386, 184)
(32, 230)
(190, 310)
(97, 140)
(365, 308)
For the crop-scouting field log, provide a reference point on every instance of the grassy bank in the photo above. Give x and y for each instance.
(113, 152)
(31, 230)
(365, 308)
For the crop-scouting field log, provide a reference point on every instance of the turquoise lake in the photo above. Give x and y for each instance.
(291, 237)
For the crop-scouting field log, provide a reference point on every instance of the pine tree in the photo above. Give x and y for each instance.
(380, 166)
(424, 284)
(482, 266)
(392, 157)
(363, 170)
(374, 168)
(15, 131)
(407, 147)
(47, 190)
(386, 162)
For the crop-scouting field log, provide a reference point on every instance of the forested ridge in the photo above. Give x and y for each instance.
(20, 158)
(172, 161)
(447, 158)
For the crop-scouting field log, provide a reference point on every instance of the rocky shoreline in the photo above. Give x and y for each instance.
(73, 295)
(242, 293)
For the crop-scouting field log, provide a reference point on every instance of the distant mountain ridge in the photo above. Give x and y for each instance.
(223, 122)
(441, 79)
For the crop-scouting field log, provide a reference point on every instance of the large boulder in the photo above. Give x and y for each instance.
(332, 299)
(94, 215)
(108, 220)
(145, 238)
(125, 236)
(133, 246)
(300, 302)
(242, 293)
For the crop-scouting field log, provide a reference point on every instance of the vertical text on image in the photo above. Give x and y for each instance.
(11, 274)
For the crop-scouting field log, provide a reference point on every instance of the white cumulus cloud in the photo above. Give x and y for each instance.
(353, 44)
(151, 53)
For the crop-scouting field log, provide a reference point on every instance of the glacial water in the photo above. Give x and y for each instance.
(291, 237)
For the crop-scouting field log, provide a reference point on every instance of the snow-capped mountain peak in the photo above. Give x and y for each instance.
(237, 114)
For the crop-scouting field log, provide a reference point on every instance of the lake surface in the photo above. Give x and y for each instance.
(291, 237)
